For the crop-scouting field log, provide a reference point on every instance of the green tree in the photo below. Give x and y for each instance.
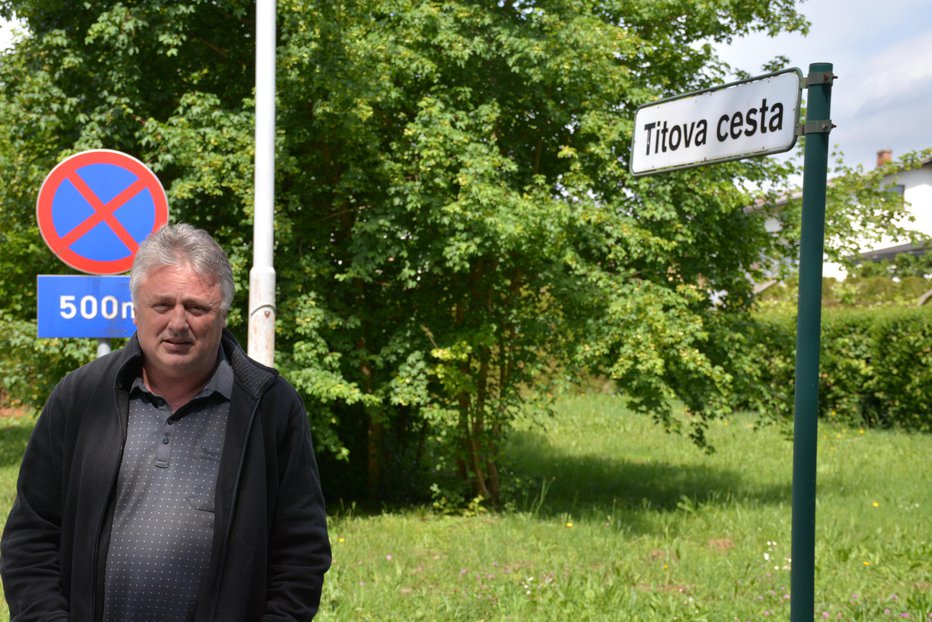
(861, 210)
(456, 223)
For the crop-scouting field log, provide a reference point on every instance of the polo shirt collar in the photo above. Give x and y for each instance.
(221, 381)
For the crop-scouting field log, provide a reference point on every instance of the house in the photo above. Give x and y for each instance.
(915, 186)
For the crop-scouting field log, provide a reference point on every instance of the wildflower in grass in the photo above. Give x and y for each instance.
(876, 504)
(341, 539)
(867, 563)
(569, 524)
(527, 584)
(388, 557)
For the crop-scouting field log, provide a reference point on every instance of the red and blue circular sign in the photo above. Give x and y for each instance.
(95, 207)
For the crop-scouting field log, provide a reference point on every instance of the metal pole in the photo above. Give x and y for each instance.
(103, 347)
(805, 423)
(261, 343)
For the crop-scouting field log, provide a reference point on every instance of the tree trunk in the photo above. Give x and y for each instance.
(373, 457)
(373, 435)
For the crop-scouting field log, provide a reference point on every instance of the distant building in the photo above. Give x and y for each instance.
(916, 188)
(914, 185)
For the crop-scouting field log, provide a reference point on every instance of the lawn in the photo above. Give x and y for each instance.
(612, 519)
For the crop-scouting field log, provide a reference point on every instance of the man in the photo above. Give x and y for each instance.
(174, 479)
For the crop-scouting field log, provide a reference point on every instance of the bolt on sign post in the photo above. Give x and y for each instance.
(93, 210)
(755, 117)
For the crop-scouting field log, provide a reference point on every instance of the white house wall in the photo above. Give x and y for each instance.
(917, 193)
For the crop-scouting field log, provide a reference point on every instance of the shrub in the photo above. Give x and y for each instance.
(845, 365)
(875, 366)
(853, 292)
(902, 381)
(765, 372)
(31, 367)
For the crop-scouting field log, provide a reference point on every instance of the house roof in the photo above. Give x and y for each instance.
(890, 252)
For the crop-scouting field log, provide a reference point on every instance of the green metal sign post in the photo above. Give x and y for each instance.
(675, 133)
(808, 336)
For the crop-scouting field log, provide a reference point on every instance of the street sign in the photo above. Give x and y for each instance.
(84, 306)
(753, 117)
(95, 207)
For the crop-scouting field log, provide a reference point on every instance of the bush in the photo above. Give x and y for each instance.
(765, 371)
(853, 292)
(31, 367)
(902, 381)
(845, 366)
(875, 366)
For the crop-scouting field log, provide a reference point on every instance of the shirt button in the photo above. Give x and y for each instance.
(165, 440)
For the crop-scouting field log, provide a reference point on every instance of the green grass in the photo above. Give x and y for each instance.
(615, 520)
(611, 519)
(14, 433)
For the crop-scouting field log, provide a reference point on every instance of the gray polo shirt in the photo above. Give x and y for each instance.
(163, 522)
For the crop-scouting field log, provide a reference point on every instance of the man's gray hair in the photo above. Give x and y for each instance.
(183, 245)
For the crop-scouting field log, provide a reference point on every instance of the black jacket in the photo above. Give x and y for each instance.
(270, 549)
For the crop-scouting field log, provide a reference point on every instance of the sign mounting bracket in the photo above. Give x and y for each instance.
(816, 78)
(815, 127)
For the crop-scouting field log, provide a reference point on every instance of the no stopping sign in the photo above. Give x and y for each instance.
(95, 207)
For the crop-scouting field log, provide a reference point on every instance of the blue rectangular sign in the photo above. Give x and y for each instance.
(84, 306)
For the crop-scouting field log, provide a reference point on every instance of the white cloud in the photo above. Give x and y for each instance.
(882, 54)
(900, 73)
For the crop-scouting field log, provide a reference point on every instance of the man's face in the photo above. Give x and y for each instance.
(179, 322)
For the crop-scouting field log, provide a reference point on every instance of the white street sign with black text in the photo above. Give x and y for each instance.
(750, 118)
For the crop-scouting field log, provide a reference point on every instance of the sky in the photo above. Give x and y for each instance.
(881, 51)
(6, 33)
(882, 54)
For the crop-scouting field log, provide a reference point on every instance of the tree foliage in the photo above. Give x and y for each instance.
(861, 211)
(455, 220)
